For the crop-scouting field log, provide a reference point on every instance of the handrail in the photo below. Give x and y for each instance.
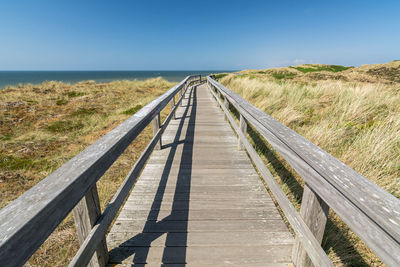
(371, 212)
(27, 221)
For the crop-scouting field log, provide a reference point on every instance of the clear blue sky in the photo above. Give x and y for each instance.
(195, 35)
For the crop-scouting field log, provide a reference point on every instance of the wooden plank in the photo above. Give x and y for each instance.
(144, 226)
(243, 128)
(226, 104)
(86, 213)
(214, 189)
(156, 170)
(198, 205)
(205, 255)
(200, 182)
(172, 106)
(201, 239)
(156, 126)
(198, 196)
(201, 215)
(372, 213)
(314, 211)
(30, 219)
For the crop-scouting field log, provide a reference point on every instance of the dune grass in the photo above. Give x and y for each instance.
(43, 126)
(314, 68)
(358, 123)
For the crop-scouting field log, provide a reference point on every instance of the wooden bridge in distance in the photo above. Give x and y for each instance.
(199, 194)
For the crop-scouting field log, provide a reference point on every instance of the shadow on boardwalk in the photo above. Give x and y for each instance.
(178, 219)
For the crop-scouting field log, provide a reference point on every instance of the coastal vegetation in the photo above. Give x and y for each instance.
(43, 126)
(353, 113)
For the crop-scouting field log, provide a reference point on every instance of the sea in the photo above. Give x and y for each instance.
(13, 78)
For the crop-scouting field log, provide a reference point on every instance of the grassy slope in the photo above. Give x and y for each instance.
(43, 126)
(357, 122)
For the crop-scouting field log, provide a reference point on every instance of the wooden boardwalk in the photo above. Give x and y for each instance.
(199, 201)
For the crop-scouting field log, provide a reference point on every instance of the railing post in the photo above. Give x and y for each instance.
(226, 104)
(86, 213)
(315, 214)
(219, 96)
(156, 127)
(172, 105)
(183, 92)
(243, 128)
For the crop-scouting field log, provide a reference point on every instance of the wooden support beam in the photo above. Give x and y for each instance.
(243, 128)
(182, 92)
(226, 104)
(314, 212)
(219, 96)
(156, 127)
(86, 213)
(172, 105)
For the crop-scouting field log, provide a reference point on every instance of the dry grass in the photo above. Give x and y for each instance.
(357, 122)
(43, 126)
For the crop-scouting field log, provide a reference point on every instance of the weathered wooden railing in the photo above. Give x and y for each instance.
(371, 212)
(30, 219)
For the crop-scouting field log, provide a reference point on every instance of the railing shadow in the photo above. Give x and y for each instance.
(176, 243)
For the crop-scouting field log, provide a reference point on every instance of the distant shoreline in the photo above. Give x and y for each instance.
(14, 78)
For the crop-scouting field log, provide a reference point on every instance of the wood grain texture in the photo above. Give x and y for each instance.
(156, 126)
(172, 105)
(314, 212)
(86, 214)
(243, 128)
(371, 212)
(199, 200)
(226, 104)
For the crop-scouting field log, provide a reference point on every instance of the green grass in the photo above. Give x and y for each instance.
(6, 137)
(60, 102)
(15, 163)
(71, 94)
(132, 110)
(80, 112)
(283, 75)
(331, 68)
(220, 75)
(64, 126)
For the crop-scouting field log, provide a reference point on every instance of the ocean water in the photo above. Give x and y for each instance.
(13, 78)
